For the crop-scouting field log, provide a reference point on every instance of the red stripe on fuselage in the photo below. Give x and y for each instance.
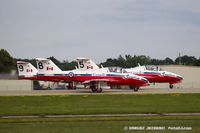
(161, 79)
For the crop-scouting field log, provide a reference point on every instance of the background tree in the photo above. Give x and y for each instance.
(168, 61)
(186, 60)
(66, 65)
(56, 61)
(197, 63)
(7, 63)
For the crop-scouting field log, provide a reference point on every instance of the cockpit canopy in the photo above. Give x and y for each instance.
(116, 69)
(153, 68)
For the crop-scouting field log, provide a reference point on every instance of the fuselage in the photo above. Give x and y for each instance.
(161, 77)
(100, 75)
(156, 76)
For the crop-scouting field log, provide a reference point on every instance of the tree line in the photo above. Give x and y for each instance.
(132, 61)
(8, 63)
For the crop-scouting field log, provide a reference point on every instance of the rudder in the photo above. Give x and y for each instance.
(46, 66)
(26, 69)
(86, 64)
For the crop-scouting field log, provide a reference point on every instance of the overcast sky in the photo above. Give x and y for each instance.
(99, 29)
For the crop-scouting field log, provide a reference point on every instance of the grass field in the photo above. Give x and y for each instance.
(99, 104)
(97, 125)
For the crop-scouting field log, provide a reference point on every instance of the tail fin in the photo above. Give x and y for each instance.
(26, 69)
(46, 66)
(86, 64)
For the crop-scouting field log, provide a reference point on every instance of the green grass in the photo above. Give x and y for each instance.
(97, 125)
(99, 104)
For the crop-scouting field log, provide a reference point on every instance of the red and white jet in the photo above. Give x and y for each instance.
(48, 71)
(92, 78)
(155, 75)
(151, 73)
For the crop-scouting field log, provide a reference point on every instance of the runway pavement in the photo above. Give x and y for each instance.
(99, 115)
(105, 91)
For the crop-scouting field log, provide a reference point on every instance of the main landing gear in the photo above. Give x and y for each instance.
(96, 88)
(71, 86)
(134, 88)
(171, 86)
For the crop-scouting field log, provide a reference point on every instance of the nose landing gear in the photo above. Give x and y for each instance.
(171, 86)
(134, 88)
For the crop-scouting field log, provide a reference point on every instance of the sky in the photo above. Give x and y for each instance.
(99, 29)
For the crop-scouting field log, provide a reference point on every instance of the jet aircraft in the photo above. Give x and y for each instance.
(150, 72)
(155, 75)
(47, 70)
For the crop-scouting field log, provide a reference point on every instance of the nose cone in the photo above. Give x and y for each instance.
(179, 77)
(176, 77)
(141, 80)
(146, 82)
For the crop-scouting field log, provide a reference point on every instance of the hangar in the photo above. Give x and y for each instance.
(9, 82)
(16, 85)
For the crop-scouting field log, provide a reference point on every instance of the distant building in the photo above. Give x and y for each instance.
(10, 82)
(16, 85)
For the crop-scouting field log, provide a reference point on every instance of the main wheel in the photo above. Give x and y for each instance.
(70, 86)
(136, 89)
(171, 86)
(93, 88)
(99, 90)
(131, 87)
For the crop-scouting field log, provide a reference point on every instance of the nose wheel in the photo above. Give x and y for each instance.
(134, 88)
(171, 86)
(98, 90)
